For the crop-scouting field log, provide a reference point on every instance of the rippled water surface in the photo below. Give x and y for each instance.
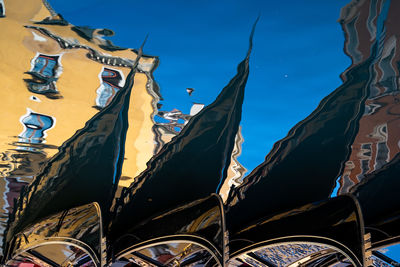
(179, 105)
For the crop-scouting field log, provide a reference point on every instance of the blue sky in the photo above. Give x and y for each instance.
(296, 61)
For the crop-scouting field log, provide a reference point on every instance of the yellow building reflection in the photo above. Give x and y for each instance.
(55, 79)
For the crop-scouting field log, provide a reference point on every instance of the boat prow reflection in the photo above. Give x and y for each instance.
(331, 227)
(73, 237)
(189, 234)
(325, 233)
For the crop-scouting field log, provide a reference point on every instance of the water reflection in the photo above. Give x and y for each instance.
(45, 71)
(55, 57)
(71, 238)
(351, 135)
(291, 255)
(207, 140)
(302, 254)
(115, 145)
(168, 124)
(377, 141)
(35, 128)
(111, 82)
(2, 9)
(170, 254)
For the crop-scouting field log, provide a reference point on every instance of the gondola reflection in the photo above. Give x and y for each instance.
(97, 174)
(71, 238)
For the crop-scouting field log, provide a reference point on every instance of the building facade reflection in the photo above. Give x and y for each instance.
(45, 71)
(97, 130)
(377, 141)
(45, 77)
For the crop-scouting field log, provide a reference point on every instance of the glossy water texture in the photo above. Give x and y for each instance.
(54, 239)
(98, 168)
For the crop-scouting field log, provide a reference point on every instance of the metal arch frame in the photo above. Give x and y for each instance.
(12, 252)
(57, 240)
(220, 253)
(202, 242)
(316, 240)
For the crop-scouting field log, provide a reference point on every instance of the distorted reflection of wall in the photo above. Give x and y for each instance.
(236, 170)
(45, 71)
(377, 141)
(111, 82)
(170, 123)
(56, 77)
(62, 79)
(35, 128)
